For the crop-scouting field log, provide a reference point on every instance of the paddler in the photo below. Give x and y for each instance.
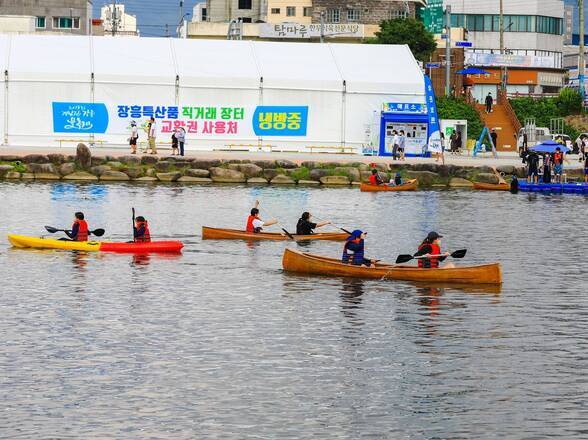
(353, 251)
(79, 230)
(375, 178)
(254, 223)
(398, 179)
(306, 227)
(141, 232)
(430, 248)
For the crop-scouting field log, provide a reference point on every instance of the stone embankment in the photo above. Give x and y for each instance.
(84, 167)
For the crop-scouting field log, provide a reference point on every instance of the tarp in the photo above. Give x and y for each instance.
(549, 147)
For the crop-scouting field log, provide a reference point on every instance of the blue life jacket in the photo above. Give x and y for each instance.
(356, 246)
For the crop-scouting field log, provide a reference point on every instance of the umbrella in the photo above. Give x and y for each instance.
(549, 147)
(472, 71)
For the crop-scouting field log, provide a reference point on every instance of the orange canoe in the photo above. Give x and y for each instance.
(235, 234)
(492, 186)
(302, 262)
(409, 185)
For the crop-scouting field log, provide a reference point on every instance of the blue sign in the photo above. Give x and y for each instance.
(405, 108)
(463, 44)
(79, 117)
(434, 141)
(432, 65)
(280, 121)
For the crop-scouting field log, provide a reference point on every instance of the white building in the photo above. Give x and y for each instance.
(17, 24)
(126, 24)
(199, 13)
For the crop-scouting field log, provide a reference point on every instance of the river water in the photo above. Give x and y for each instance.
(220, 343)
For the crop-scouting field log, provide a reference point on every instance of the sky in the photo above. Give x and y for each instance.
(152, 15)
(575, 4)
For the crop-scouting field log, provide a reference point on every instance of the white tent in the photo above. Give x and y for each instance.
(290, 95)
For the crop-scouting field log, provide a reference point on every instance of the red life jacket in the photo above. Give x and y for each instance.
(146, 237)
(250, 227)
(82, 230)
(558, 158)
(430, 263)
(373, 179)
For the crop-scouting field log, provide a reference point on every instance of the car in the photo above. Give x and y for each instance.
(534, 136)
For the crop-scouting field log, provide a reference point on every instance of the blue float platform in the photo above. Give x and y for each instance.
(565, 188)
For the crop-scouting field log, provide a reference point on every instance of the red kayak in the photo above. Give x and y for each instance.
(138, 248)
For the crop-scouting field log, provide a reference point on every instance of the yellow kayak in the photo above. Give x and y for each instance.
(22, 241)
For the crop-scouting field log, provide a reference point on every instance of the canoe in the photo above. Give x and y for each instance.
(492, 186)
(235, 234)
(302, 262)
(21, 241)
(409, 185)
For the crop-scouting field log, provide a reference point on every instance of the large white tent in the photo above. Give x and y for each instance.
(222, 92)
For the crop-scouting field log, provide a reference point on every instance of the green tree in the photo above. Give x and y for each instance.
(569, 102)
(455, 108)
(407, 31)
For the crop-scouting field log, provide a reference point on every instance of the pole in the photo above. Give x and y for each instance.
(502, 68)
(181, 22)
(322, 27)
(114, 19)
(581, 61)
(448, 50)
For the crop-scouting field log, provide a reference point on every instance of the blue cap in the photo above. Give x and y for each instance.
(355, 235)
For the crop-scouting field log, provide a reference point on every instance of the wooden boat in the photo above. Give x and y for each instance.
(302, 262)
(492, 186)
(409, 185)
(235, 234)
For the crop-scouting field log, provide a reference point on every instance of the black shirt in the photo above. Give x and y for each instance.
(304, 227)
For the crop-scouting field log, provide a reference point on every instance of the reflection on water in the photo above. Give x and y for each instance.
(219, 342)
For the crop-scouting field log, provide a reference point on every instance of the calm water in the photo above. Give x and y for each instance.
(220, 343)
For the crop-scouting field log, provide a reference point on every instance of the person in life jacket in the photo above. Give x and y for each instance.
(430, 248)
(353, 250)
(557, 159)
(397, 179)
(375, 178)
(141, 232)
(79, 230)
(256, 224)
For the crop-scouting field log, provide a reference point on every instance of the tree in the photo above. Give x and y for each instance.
(407, 31)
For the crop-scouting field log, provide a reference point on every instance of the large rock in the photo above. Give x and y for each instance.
(163, 166)
(310, 164)
(149, 160)
(380, 167)
(98, 161)
(191, 179)
(270, 173)
(285, 164)
(521, 172)
(363, 167)
(9, 158)
(99, 170)
(83, 156)
(114, 164)
(27, 176)
(134, 172)
(35, 158)
(47, 176)
(56, 158)
(506, 169)
(41, 168)
(130, 160)
(248, 169)
(168, 177)
(352, 173)
(67, 168)
(81, 175)
(146, 179)
(308, 182)
(425, 178)
(206, 164)
(257, 181)
(12, 175)
(150, 172)
(224, 175)
(431, 167)
(458, 182)
(195, 172)
(265, 163)
(5, 169)
(317, 174)
(335, 180)
(487, 178)
(114, 176)
(281, 179)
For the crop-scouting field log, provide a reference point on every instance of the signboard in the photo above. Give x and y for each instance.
(280, 121)
(306, 31)
(434, 142)
(433, 65)
(496, 59)
(79, 117)
(433, 16)
(405, 108)
(463, 44)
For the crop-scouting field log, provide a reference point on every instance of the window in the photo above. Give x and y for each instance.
(244, 4)
(66, 22)
(245, 19)
(395, 14)
(333, 15)
(204, 14)
(353, 14)
(275, 10)
(40, 23)
(307, 12)
(290, 11)
(512, 23)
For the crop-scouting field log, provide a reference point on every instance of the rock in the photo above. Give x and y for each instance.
(484, 169)
(9, 158)
(335, 180)
(462, 172)
(47, 176)
(130, 160)
(352, 173)
(134, 172)
(181, 164)
(67, 168)
(248, 169)
(224, 175)
(257, 181)
(12, 175)
(270, 173)
(35, 158)
(285, 164)
(109, 158)
(163, 166)
(168, 177)
(83, 156)
(487, 178)
(521, 172)
(206, 164)
(265, 163)
(27, 176)
(280, 179)
(41, 168)
(458, 182)
(308, 182)
(150, 172)
(363, 167)
(195, 172)
(114, 164)
(508, 170)
(146, 179)
(99, 170)
(431, 167)
(5, 169)
(426, 178)
(310, 164)
(80, 175)
(192, 179)
(149, 160)
(56, 159)
(114, 176)
(98, 161)
(317, 174)
(380, 167)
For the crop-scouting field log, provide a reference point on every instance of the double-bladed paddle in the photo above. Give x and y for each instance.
(96, 232)
(404, 258)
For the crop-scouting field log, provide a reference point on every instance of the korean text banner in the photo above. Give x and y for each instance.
(434, 145)
(280, 121)
(79, 117)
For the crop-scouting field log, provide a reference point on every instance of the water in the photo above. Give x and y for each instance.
(220, 343)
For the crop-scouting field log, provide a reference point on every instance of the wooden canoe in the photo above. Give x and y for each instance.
(302, 262)
(409, 185)
(234, 234)
(492, 186)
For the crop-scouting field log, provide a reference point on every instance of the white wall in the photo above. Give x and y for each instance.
(24, 24)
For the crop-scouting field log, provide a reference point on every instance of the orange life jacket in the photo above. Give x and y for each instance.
(82, 230)
(430, 263)
(250, 227)
(146, 237)
(558, 158)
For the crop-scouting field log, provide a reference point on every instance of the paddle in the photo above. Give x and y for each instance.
(333, 225)
(133, 228)
(404, 258)
(96, 232)
(280, 225)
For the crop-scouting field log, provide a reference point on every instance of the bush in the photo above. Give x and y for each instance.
(301, 173)
(455, 108)
(569, 102)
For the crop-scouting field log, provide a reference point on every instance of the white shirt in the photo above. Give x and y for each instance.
(153, 130)
(134, 132)
(258, 223)
(395, 140)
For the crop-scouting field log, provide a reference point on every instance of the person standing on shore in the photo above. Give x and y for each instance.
(532, 167)
(442, 154)
(134, 137)
(152, 135)
(546, 168)
(494, 137)
(489, 103)
(174, 138)
(558, 158)
(394, 144)
(401, 144)
(181, 137)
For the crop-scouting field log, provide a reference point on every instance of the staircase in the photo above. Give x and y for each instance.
(504, 121)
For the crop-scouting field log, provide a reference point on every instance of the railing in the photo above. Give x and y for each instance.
(503, 99)
(531, 95)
